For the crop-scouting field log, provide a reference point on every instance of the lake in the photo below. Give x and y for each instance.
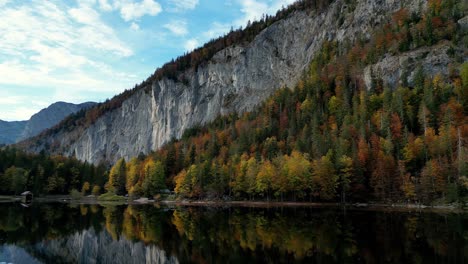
(63, 233)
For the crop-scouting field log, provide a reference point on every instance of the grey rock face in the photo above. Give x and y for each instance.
(464, 22)
(393, 69)
(236, 79)
(11, 132)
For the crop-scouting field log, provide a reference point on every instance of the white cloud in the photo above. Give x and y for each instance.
(84, 15)
(86, 2)
(191, 44)
(131, 11)
(105, 6)
(19, 107)
(73, 80)
(63, 49)
(6, 99)
(254, 9)
(135, 26)
(45, 23)
(182, 5)
(278, 4)
(217, 29)
(58, 57)
(3, 2)
(177, 27)
(19, 113)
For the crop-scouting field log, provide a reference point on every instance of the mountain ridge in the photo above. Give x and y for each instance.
(16, 131)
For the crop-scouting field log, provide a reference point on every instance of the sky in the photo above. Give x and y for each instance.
(90, 50)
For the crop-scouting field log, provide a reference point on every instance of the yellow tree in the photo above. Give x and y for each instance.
(324, 177)
(187, 182)
(345, 173)
(117, 177)
(432, 180)
(132, 175)
(250, 175)
(96, 190)
(264, 178)
(154, 179)
(85, 188)
(297, 168)
(181, 184)
(407, 185)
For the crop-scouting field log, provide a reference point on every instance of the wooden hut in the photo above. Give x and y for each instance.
(26, 197)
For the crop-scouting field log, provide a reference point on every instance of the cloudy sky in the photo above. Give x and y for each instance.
(90, 50)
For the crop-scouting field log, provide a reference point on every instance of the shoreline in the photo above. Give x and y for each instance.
(359, 206)
(369, 206)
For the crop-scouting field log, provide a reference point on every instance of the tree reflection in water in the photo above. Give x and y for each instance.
(147, 233)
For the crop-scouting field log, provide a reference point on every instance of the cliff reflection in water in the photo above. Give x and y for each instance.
(61, 233)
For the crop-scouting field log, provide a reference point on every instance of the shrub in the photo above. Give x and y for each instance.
(75, 194)
(110, 196)
(96, 190)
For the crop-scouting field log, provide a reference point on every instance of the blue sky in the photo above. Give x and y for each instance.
(90, 50)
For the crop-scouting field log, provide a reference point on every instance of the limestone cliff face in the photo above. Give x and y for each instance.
(236, 79)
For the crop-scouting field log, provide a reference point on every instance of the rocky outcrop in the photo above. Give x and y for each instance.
(394, 70)
(236, 79)
(11, 132)
(463, 22)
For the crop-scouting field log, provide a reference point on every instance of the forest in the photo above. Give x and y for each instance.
(328, 139)
(43, 174)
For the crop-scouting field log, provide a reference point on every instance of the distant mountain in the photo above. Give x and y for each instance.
(12, 132)
(9, 131)
(50, 116)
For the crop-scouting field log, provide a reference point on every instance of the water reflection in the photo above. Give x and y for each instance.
(58, 233)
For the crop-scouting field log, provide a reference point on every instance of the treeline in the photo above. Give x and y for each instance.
(331, 139)
(42, 174)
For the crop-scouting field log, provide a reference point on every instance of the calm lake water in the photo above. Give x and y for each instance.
(60, 233)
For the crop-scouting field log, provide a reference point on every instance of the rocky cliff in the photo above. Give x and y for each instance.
(11, 132)
(235, 79)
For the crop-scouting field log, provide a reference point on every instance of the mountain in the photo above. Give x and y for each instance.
(235, 78)
(11, 132)
(50, 116)
(377, 113)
